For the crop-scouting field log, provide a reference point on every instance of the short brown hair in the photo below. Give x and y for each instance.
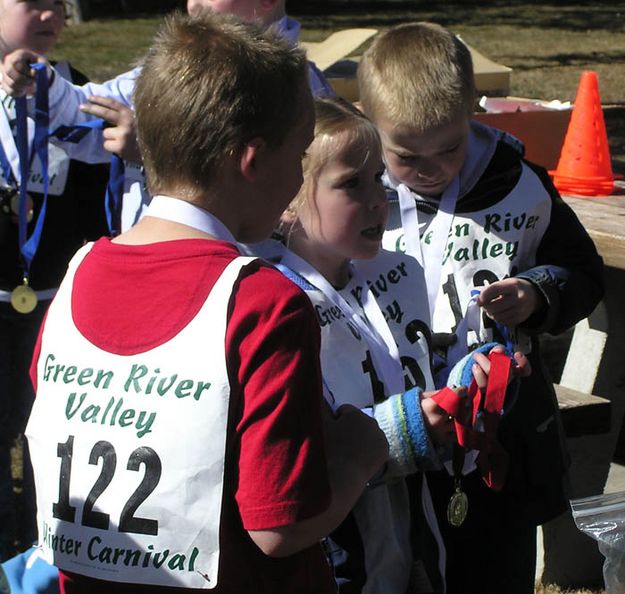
(209, 84)
(418, 75)
(333, 117)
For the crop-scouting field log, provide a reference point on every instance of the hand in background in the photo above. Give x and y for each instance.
(120, 138)
(18, 78)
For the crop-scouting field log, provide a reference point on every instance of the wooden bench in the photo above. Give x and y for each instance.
(584, 413)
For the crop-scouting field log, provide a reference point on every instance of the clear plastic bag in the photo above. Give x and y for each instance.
(602, 517)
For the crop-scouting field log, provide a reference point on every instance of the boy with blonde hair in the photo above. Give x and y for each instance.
(188, 374)
(504, 259)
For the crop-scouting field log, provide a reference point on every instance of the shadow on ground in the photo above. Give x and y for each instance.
(615, 125)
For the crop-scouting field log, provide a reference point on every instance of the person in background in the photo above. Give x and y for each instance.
(74, 213)
(112, 100)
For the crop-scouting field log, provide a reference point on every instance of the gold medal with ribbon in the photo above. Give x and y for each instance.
(458, 506)
(23, 298)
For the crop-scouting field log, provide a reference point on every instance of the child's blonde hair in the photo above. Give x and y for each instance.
(208, 86)
(418, 75)
(337, 123)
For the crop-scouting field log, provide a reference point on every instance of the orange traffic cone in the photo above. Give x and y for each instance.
(584, 166)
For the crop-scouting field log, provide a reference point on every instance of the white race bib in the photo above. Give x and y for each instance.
(484, 246)
(129, 450)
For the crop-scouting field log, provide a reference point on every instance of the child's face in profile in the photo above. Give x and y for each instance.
(278, 174)
(246, 10)
(428, 161)
(31, 24)
(346, 215)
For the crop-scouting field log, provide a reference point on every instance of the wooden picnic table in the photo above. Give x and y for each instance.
(604, 219)
(571, 557)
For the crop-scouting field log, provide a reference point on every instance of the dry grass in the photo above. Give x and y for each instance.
(547, 45)
(556, 590)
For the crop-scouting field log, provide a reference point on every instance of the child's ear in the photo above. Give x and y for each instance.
(248, 161)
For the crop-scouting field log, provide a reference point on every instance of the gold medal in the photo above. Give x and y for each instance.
(23, 299)
(458, 507)
(15, 207)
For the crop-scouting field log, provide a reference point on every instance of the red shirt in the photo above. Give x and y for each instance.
(128, 299)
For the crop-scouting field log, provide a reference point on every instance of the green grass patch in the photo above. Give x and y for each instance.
(104, 48)
(547, 45)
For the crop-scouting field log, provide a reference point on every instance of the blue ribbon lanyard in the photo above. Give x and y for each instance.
(7, 172)
(28, 246)
(115, 185)
(113, 200)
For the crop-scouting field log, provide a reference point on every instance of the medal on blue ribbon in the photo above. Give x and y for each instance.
(23, 298)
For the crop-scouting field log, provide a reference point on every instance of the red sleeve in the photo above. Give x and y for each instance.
(273, 342)
(36, 353)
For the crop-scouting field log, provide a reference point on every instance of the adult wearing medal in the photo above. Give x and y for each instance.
(36, 245)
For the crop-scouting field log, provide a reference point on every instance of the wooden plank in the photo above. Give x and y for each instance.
(583, 414)
(336, 46)
(611, 248)
(604, 219)
(490, 78)
(584, 357)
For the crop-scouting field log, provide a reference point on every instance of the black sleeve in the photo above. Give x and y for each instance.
(568, 271)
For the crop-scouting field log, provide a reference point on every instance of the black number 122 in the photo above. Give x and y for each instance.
(63, 510)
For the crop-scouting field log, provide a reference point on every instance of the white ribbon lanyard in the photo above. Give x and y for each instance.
(430, 256)
(185, 213)
(376, 332)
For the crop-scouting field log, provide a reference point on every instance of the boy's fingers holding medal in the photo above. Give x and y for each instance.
(520, 366)
(481, 369)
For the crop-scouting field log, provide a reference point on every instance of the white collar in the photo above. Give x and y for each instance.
(185, 213)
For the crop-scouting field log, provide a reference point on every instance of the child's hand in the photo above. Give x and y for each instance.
(355, 439)
(120, 138)
(481, 367)
(439, 424)
(18, 78)
(510, 301)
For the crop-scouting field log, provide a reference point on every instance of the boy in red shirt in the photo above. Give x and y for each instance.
(187, 449)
